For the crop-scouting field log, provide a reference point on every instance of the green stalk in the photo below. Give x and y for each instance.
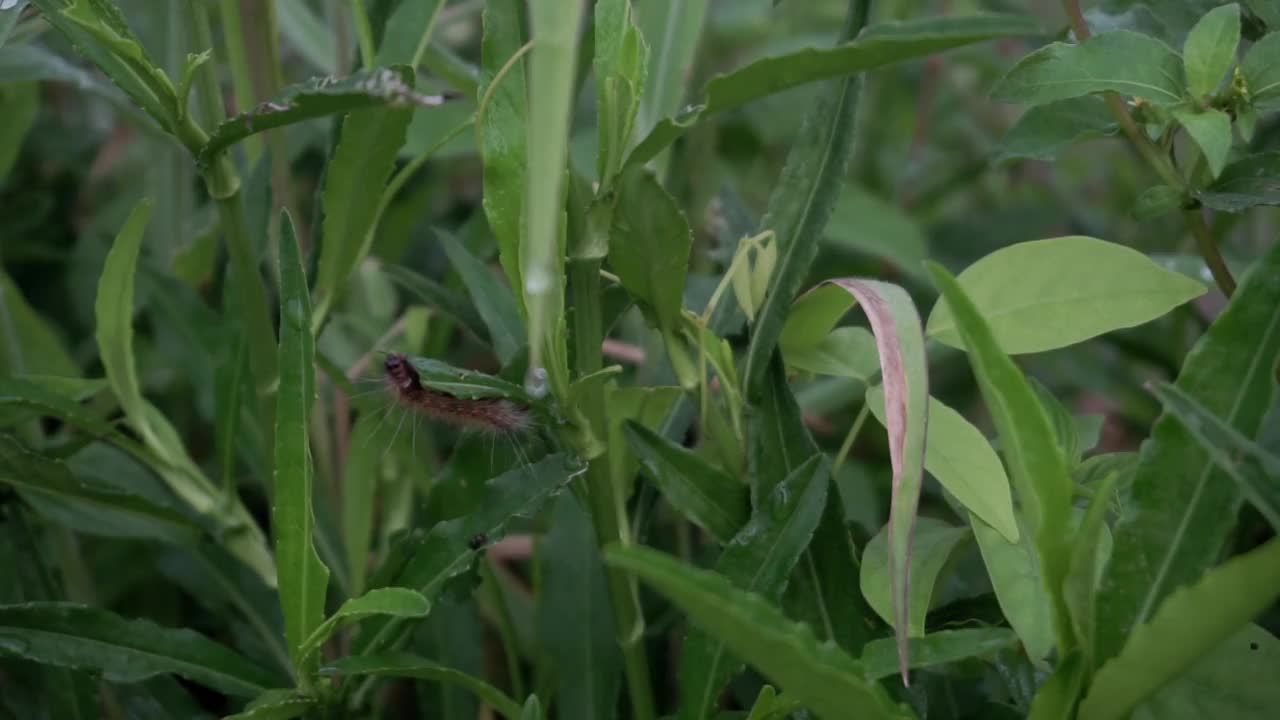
(224, 187)
(607, 510)
(238, 63)
(364, 33)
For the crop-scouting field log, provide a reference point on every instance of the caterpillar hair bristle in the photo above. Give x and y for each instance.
(493, 415)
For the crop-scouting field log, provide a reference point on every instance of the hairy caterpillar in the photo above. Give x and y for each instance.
(493, 415)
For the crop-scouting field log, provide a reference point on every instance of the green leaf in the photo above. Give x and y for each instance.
(880, 658)
(1210, 49)
(381, 93)
(759, 560)
(408, 32)
(442, 299)
(820, 675)
(1084, 569)
(307, 33)
(702, 492)
(392, 601)
(1211, 130)
(1018, 581)
(124, 651)
(21, 102)
(1047, 294)
(1057, 697)
(303, 578)
(1191, 622)
(494, 301)
(1035, 461)
(404, 665)
(1246, 183)
(649, 247)
(466, 384)
(29, 342)
(532, 709)
(1231, 681)
(1181, 508)
(1157, 201)
(574, 619)
(799, 208)
(87, 505)
(276, 705)
(621, 64)
(845, 352)
(866, 223)
(932, 545)
(648, 406)
(502, 126)
(1121, 61)
(962, 460)
(878, 46)
(368, 144)
(428, 561)
(1046, 131)
(1255, 470)
(1261, 70)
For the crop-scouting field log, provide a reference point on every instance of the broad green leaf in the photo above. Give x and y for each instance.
(429, 560)
(1035, 461)
(552, 68)
(878, 46)
(408, 32)
(820, 675)
(502, 127)
(1246, 183)
(494, 301)
(1047, 294)
(702, 492)
(1121, 61)
(649, 247)
(845, 352)
(1181, 509)
(29, 343)
(621, 65)
(1191, 622)
(404, 665)
(1261, 70)
(574, 619)
(276, 704)
(1018, 581)
(1211, 131)
(1210, 49)
(74, 636)
(391, 601)
(813, 316)
(86, 505)
(303, 578)
(866, 223)
(880, 658)
(21, 101)
(362, 162)
(799, 208)
(1256, 471)
(963, 461)
(1231, 681)
(759, 559)
(366, 90)
(1046, 131)
(932, 544)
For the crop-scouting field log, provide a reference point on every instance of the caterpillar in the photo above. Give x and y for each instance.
(492, 415)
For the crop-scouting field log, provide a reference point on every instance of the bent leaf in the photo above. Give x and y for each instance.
(1048, 294)
(820, 675)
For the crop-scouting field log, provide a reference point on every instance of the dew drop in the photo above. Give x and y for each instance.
(535, 382)
(537, 281)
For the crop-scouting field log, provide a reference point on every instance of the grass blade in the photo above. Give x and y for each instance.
(303, 578)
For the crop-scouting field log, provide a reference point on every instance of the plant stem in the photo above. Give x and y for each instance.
(847, 445)
(607, 510)
(238, 63)
(364, 33)
(1160, 163)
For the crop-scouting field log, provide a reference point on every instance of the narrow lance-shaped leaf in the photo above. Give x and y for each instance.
(820, 675)
(75, 636)
(880, 46)
(1036, 463)
(1190, 623)
(1181, 507)
(320, 97)
(276, 704)
(395, 602)
(1255, 470)
(303, 578)
(493, 301)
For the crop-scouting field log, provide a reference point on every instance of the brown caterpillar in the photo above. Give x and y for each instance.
(494, 415)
